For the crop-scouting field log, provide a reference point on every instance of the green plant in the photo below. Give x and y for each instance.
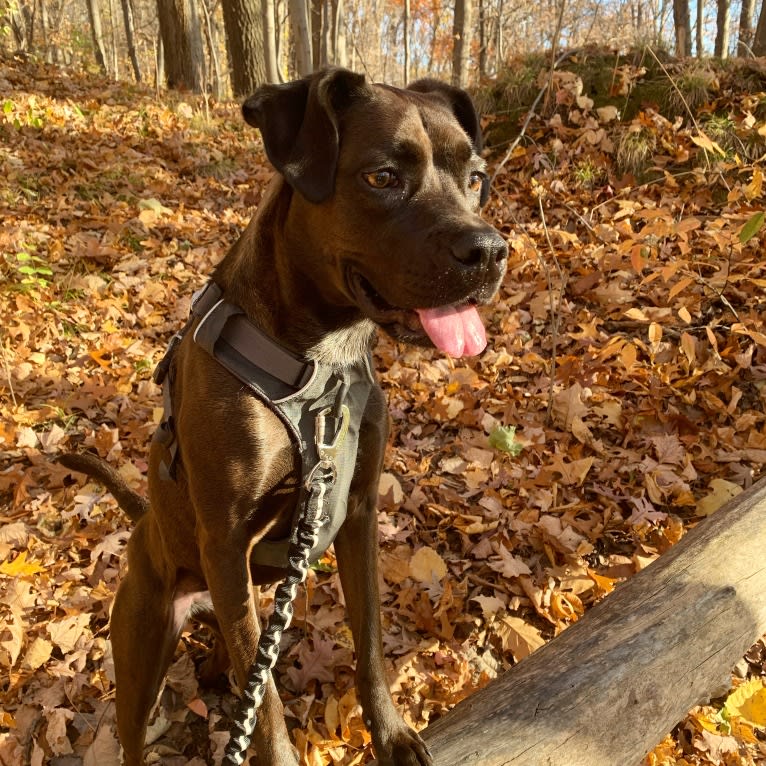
(32, 271)
(587, 174)
(15, 115)
(143, 365)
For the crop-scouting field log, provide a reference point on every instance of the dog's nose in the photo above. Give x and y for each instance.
(480, 249)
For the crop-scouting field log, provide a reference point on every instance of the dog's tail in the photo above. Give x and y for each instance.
(134, 505)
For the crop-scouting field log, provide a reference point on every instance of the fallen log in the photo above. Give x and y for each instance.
(610, 687)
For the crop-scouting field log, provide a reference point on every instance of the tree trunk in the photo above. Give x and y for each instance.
(113, 41)
(610, 687)
(17, 21)
(270, 60)
(482, 39)
(211, 38)
(299, 22)
(723, 29)
(181, 44)
(97, 34)
(499, 47)
(406, 42)
(745, 35)
(435, 23)
(339, 34)
(461, 35)
(325, 36)
(159, 64)
(759, 40)
(243, 21)
(315, 17)
(280, 38)
(682, 26)
(130, 37)
(44, 29)
(699, 29)
(30, 16)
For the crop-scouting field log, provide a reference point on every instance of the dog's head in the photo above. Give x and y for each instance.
(392, 180)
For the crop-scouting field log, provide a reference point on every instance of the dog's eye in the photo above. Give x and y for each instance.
(476, 181)
(381, 179)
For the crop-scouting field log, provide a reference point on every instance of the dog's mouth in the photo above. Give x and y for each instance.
(455, 329)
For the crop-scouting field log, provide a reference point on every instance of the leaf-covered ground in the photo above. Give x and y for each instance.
(628, 352)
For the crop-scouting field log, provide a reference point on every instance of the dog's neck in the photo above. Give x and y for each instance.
(281, 300)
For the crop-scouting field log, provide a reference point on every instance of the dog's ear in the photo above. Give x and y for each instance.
(299, 125)
(460, 103)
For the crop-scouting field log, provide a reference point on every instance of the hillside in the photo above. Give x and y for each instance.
(620, 401)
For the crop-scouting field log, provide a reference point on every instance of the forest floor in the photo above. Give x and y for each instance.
(620, 401)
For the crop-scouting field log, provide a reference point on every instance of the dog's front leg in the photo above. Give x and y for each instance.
(356, 548)
(233, 596)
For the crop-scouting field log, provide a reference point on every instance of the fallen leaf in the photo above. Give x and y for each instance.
(721, 492)
(426, 565)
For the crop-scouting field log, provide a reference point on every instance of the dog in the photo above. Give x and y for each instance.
(372, 221)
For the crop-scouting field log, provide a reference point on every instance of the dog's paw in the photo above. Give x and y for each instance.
(403, 748)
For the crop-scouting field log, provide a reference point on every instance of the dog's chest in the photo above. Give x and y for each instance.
(333, 401)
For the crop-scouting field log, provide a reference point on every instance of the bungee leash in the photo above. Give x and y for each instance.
(318, 482)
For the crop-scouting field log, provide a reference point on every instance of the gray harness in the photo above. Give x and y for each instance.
(321, 407)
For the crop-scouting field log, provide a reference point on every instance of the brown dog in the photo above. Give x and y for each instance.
(372, 220)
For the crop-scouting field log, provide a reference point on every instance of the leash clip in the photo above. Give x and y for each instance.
(326, 470)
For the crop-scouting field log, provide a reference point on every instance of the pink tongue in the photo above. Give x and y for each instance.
(456, 331)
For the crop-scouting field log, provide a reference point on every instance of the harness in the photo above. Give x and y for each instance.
(321, 407)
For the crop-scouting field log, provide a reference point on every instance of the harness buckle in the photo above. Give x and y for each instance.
(326, 470)
(329, 450)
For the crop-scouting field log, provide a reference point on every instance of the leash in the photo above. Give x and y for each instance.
(318, 482)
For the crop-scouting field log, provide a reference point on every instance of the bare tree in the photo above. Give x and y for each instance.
(482, 28)
(181, 44)
(723, 28)
(243, 20)
(130, 37)
(340, 54)
(115, 67)
(682, 26)
(700, 28)
(462, 42)
(43, 6)
(14, 16)
(97, 34)
(211, 38)
(406, 42)
(759, 40)
(299, 24)
(270, 41)
(745, 36)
